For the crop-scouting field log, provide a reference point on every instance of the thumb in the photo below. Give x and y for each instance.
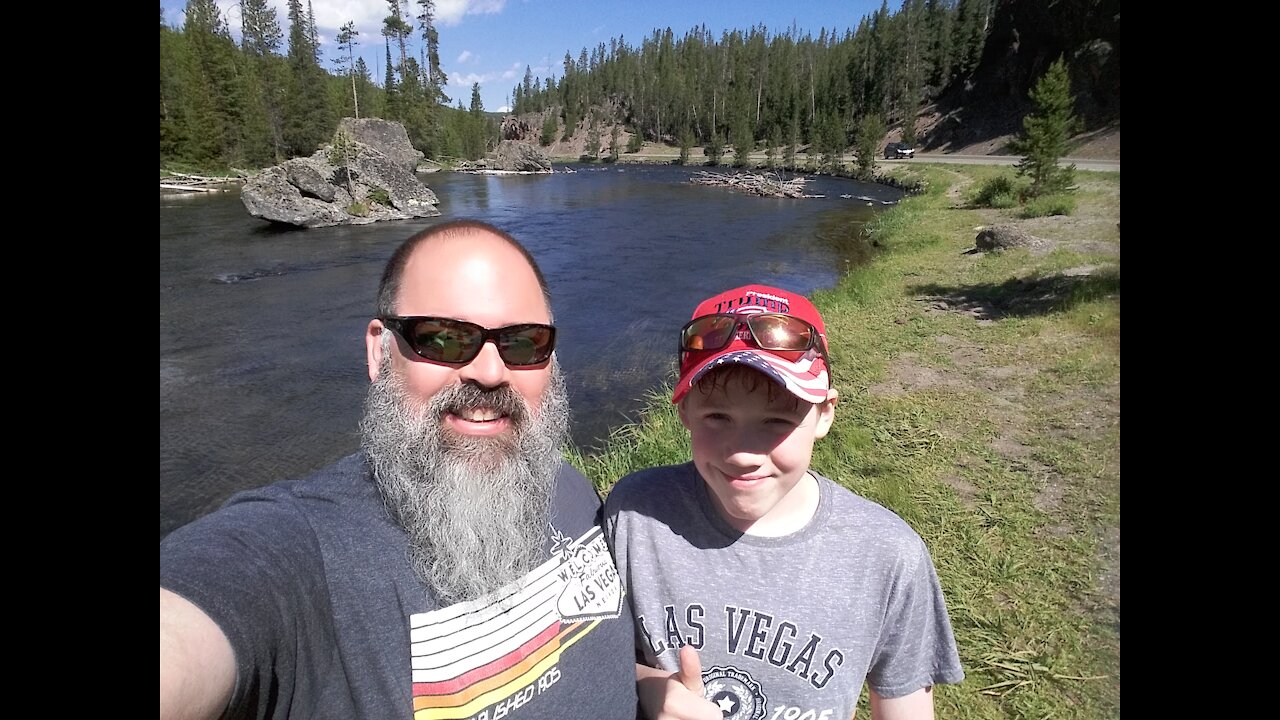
(690, 674)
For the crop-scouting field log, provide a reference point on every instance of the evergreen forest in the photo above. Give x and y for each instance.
(279, 94)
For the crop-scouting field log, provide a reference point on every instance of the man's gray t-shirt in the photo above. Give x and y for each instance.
(310, 582)
(785, 627)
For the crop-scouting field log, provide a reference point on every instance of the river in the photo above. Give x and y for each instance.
(262, 365)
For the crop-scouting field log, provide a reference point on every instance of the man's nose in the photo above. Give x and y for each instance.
(487, 369)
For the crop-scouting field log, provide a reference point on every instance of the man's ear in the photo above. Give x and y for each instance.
(373, 347)
(826, 414)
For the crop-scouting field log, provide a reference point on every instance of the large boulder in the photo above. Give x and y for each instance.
(998, 238)
(517, 156)
(317, 192)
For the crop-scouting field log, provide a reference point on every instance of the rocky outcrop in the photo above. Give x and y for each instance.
(519, 157)
(386, 136)
(375, 182)
(515, 128)
(510, 156)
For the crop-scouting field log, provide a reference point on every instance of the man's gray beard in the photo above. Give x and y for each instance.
(476, 509)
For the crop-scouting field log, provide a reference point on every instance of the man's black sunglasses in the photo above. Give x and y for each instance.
(457, 342)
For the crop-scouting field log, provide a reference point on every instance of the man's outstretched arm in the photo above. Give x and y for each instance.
(197, 665)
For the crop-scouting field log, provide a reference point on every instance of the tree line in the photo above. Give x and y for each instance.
(225, 105)
(779, 89)
(270, 97)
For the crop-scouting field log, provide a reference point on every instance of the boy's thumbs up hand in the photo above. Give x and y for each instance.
(690, 674)
(678, 695)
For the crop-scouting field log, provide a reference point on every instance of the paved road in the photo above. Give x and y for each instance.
(1080, 163)
(670, 154)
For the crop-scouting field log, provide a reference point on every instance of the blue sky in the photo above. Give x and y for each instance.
(492, 41)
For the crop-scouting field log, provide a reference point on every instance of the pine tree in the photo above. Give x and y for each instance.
(347, 42)
(615, 143)
(714, 149)
(174, 58)
(870, 131)
(593, 143)
(260, 28)
(395, 26)
(261, 38)
(549, 127)
(343, 151)
(475, 134)
(1046, 132)
(216, 96)
(436, 77)
(309, 120)
(686, 144)
(742, 141)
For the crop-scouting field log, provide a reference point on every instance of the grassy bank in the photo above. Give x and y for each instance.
(980, 400)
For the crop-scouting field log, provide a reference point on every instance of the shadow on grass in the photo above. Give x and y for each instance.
(1022, 297)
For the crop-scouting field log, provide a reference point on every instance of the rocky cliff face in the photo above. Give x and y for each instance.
(1026, 37)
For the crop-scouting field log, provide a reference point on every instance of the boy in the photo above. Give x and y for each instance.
(762, 590)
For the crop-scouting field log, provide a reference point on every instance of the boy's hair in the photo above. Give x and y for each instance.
(720, 378)
(726, 329)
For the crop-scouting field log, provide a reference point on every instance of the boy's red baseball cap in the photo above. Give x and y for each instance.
(806, 376)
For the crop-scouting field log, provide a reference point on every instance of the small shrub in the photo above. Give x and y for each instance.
(1060, 204)
(1002, 200)
(358, 209)
(996, 192)
(380, 196)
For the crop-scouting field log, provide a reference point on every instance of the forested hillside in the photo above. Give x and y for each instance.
(966, 65)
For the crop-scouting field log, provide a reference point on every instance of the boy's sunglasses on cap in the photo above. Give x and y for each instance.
(770, 331)
(458, 342)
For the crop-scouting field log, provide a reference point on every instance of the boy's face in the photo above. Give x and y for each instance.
(752, 441)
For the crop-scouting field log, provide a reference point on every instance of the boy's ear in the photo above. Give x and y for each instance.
(826, 414)
(684, 418)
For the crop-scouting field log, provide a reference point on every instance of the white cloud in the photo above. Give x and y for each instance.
(465, 56)
(504, 109)
(462, 80)
(450, 12)
(366, 14)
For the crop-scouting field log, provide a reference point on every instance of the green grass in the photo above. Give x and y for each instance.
(996, 439)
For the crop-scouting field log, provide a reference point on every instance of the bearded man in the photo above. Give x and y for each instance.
(453, 568)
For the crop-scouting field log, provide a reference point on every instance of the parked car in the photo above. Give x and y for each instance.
(898, 151)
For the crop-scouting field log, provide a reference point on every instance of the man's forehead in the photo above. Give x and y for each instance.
(476, 248)
(472, 267)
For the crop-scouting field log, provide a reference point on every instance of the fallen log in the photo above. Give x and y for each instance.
(188, 188)
(754, 183)
(198, 183)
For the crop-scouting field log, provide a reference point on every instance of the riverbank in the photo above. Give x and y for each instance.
(980, 400)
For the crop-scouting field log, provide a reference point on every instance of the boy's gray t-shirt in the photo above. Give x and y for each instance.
(798, 621)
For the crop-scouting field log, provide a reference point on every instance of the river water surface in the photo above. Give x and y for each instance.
(262, 365)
